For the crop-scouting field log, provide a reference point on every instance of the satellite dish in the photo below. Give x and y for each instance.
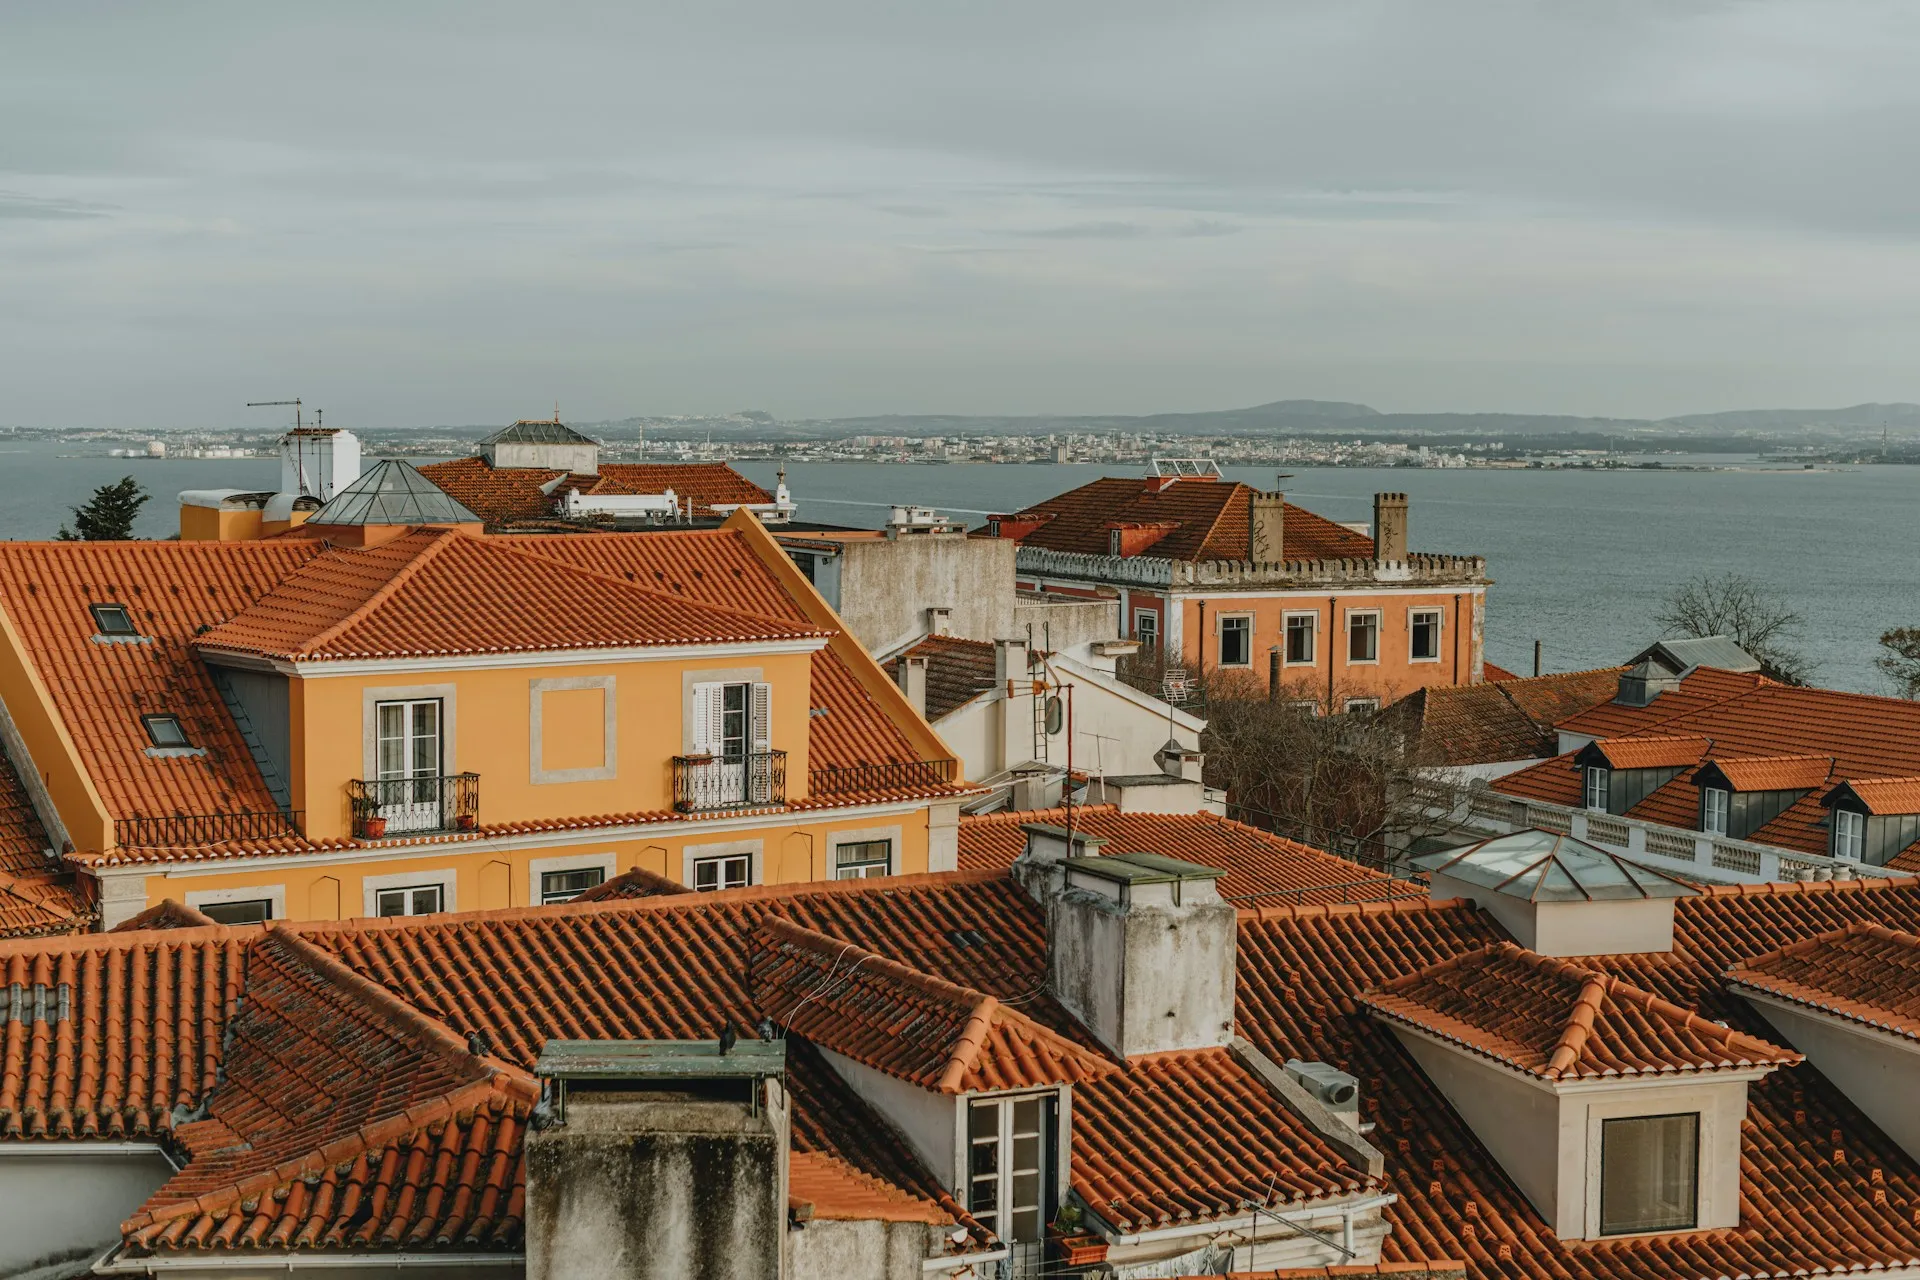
(1056, 715)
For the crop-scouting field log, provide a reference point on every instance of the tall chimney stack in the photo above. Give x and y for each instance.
(912, 678)
(1389, 526)
(1266, 527)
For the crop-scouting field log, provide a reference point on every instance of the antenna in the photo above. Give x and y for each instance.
(263, 404)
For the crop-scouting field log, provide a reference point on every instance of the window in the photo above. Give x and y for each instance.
(407, 794)
(414, 900)
(1713, 810)
(1599, 782)
(1301, 631)
(732, 872)
(1649, 1173)
(731, 720)
(253, 911)
(1306, 706)
(1361, 706)
(1424, 626)
(866, 858)
(1236, 640)
(1146, 629)
(565, 886)
(1849, 834)
(1010, 1165)
(1363, 637)
(165, 731)
(112, 620)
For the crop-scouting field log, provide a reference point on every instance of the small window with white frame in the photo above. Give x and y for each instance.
(1361, 706)
(862, 859)
(1599, 786)
(734, 871)
(1363, 636)
(1849, 834)
(1649, 1173)
(1302, 633)
(1146, 629)
(1236, 640)
(1423, 635)
(246, 911)
(1713, 810)
(408, 900)
(565, 886)
(1306, 706)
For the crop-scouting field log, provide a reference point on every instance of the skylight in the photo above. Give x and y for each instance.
(165, 731)
(112, 620)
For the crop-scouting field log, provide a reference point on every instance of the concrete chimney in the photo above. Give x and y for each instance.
(318, 462)
(1389, 526)
(1266, 527)
(658, 1160)
(1009, 661)
(911, 673)
(939, 620)
(1141, 950)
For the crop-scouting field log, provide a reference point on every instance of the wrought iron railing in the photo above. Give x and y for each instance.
(704, 784)
(901, 776)
(398, 806)
(181, 830)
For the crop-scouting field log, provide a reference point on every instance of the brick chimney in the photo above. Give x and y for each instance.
(1389, 526)
(1266, 527)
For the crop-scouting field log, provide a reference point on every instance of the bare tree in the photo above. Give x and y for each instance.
(1751, 614)
(1899, 660)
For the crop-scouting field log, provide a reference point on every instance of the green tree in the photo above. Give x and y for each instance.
(1900, 660)
(108, 515)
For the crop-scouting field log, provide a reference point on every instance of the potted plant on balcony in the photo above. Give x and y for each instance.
(465, 821)
(373, 827)
(1075, 1247)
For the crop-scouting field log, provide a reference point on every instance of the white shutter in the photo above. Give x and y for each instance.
(707, 705)
(763, 717)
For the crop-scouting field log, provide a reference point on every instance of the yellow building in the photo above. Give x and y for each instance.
(384, 712)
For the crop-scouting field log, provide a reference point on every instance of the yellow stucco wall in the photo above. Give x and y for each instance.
(220, 524)
(51, 748)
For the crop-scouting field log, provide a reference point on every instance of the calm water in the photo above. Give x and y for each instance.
(1581, 560)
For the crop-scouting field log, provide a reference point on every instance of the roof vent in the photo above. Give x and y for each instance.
(1335, 1089)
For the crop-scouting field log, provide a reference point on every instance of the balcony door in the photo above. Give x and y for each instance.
(1011, 1172)
(408, 753)
(731, 723)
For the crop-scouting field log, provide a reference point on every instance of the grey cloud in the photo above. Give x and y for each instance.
(1087, 231)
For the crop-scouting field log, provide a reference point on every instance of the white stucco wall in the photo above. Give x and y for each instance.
(835, 1249)
(1878, 1071)
(62, 1200)
(929, 1121)
(1570, 928)
(887, 586)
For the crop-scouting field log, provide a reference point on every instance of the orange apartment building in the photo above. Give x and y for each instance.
(384, 711)
(1222, 577)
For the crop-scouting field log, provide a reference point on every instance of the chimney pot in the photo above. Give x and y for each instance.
(1389, 526)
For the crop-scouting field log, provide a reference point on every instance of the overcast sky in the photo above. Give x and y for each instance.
(413, 213)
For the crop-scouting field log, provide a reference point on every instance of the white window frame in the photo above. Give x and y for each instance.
(753, 850)
(437, 889)
(276, 894)
(1055, 1140)
(886, 864)
(1379, 627)
(447, 878)
(606, 862)
(1309, 705)
(1716, 803)
(1439, 616)
(1312, 619)
(1361, 705)
(1849, 834)
(1220, 622)
(1149, 635)
(1588, 777)
(724, 861)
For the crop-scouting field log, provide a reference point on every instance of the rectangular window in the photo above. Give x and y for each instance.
(1713, 811)
(732, 720)
(732, 872)
(1363, 637)
(1302, 629)
(112, 620)
(1010, 1165)
(253, 911)
(565, 886)
(1599, 783)
(1146, 629)
(1849, 834)
(1306, 706)
(407, 739)
(866, 858)
(165, 731)
(1236, 640)
(1649, 1173)
(1361, 706)
(414, 900)
(1424, 626)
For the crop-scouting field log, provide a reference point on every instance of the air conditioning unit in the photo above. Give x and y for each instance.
(1335, 1089)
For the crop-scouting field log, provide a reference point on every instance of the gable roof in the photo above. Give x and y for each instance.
(913, 1026)
(958, 671)
(508, 496)
(1209, 519)
(1502, 718)
(1766, 773)
(1561, 1021)
(1648, 753)
(1682, 654)
(1866, 973)
(1882, 795)
(391, 492)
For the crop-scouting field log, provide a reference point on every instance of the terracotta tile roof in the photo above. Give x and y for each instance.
(37, 895)
(1771, 773)
(1260, 866)
(168, 915)
(1210, 518)
(1511, 719)
(1886, 795)
(513, 495)
(438, 592)
(824, 1186)
(913, 1026)
(1492, 671)
(1444, 1269)
(1561, 1021)
(1653, 752)
(1701, 690)
(958, 671)
(1865, 972)
(637, 883)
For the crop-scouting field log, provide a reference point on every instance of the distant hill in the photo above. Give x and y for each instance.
(1894, 415)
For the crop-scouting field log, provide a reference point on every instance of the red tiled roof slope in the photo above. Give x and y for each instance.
(37, 896)
(958, 671)
(1507, 719)
(1260, 866)
(168, 915)
(1887, 795)
(1776, 773)
(1210, 518)
(512, 495)
(1653, 752)
(637, 883)
(1867, 973)
(1561, 1021)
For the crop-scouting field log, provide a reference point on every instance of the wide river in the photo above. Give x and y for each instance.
(1581, 560)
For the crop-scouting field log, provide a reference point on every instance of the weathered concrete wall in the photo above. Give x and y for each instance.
(1879, 1072)
(826, 1249)
(929, 1121)
(1074, 625)
(1144, 978)
(887, 586)
(56, 1204)
(657, 1186)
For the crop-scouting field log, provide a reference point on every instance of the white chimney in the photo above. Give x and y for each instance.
(912, 676)
(318, 462)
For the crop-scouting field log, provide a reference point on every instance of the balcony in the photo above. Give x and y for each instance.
(387, 807)
(906, 775)
(185, 830)
(714, 784)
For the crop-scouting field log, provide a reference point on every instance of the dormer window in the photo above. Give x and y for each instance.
(1649, 1173)
(112, 620)
(1849, 834)
(1713, 810)
(1011, 1151)
(165, 732)
(1599, 785)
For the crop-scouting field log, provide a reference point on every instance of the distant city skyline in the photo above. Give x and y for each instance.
(446, 213)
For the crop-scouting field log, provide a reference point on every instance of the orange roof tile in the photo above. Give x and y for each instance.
(1865, 972)
(824, 1186)
(918, 1028)
(1511, 719)
(169, 914)
(37, 895)
(1771, 773)
(958, 671)
(637, 883)
(439, 592)
(1652, 752)
(1260, 866)
(513, 495)
(1886, 795)
(1210, 518)
(1560, 1021)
